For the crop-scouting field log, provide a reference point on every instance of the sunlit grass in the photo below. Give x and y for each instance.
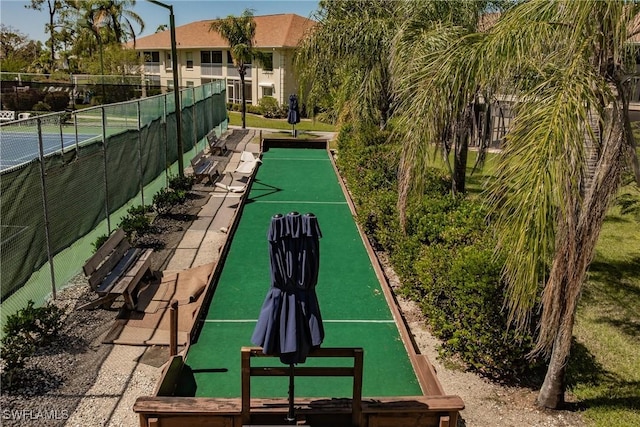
(256, 121)
(608, 326)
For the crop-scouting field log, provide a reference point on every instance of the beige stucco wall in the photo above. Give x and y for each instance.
(281, 79)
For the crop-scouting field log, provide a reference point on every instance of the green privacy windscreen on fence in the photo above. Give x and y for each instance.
(94, 162)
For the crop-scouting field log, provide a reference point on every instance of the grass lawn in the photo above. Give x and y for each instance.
(604, 370)
(256, 121)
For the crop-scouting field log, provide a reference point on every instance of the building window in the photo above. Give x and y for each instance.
(230, 60)
(151, 57)
(190, 83)
(267, 63)
(234, 94)
(168, 63)
(189, 61)
(211, 56)
(267, 91)
(170, 84)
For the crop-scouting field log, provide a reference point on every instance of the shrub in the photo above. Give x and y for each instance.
(136, 223)
(25, 331)
(166, 198)
(444, 257)
(271, 109)
(462, 296)
(22, 100)
(58, 101)
(181, 183)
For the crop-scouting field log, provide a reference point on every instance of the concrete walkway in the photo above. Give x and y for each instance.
(129, 372)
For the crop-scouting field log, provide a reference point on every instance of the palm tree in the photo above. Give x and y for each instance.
(345, 59)
(239, 32)
(427, 27)
(567, 65)
(111, 17)
(121, 19)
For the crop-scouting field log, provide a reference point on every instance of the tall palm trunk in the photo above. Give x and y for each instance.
(242, 72)
(576, 241)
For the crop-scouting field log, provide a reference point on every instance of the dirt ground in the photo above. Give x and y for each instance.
(57, 378)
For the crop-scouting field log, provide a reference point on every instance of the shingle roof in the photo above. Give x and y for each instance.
(282, 30)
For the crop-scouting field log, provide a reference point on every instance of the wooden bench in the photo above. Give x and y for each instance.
(204, 167)
(217, 146)
(116, 270)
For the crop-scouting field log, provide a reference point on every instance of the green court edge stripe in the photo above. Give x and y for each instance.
(323, 321)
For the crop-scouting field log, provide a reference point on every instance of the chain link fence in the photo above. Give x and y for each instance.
(68, 178)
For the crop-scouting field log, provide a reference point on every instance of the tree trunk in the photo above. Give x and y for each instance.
(52, 40)
(578, 234)
(242, 72)
(461, 150)
(551, 394)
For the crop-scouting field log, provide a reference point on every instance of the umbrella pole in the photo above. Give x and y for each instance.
(291, 416)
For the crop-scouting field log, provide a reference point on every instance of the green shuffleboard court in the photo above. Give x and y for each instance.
(353, 306)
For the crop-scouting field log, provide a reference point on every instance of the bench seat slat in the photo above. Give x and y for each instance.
(119, 270)
(128, 283)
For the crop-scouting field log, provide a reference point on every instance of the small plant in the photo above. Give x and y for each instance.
(140, 210)
(26, 330)
(166, 198)
(99, 242)
(181, 183)
(136, 223)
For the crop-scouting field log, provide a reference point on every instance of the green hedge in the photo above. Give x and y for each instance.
(445, 257)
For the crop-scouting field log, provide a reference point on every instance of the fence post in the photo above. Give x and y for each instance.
(60, 119)
(45, 207)
(104, 157)
(166, 141)
(75, 129)
(194, 121)
(140, 152)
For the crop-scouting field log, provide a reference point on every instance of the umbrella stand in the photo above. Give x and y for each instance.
(291, 416)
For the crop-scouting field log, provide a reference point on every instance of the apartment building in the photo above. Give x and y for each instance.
(203, 55)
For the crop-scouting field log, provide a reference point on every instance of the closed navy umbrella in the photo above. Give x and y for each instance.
(290, 323)
(293, 116)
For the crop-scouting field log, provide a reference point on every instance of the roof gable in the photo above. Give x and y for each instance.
(282, 30)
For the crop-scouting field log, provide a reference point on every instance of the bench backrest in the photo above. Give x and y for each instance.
(106, 257)
(198, 158)
(215, 144)
(212, 138)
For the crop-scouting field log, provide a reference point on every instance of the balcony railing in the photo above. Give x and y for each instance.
(233, 71)
(151, 68)
(211, 69)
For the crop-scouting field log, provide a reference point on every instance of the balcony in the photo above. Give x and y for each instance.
(211, 70)
(233, 71)
(152, 68)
